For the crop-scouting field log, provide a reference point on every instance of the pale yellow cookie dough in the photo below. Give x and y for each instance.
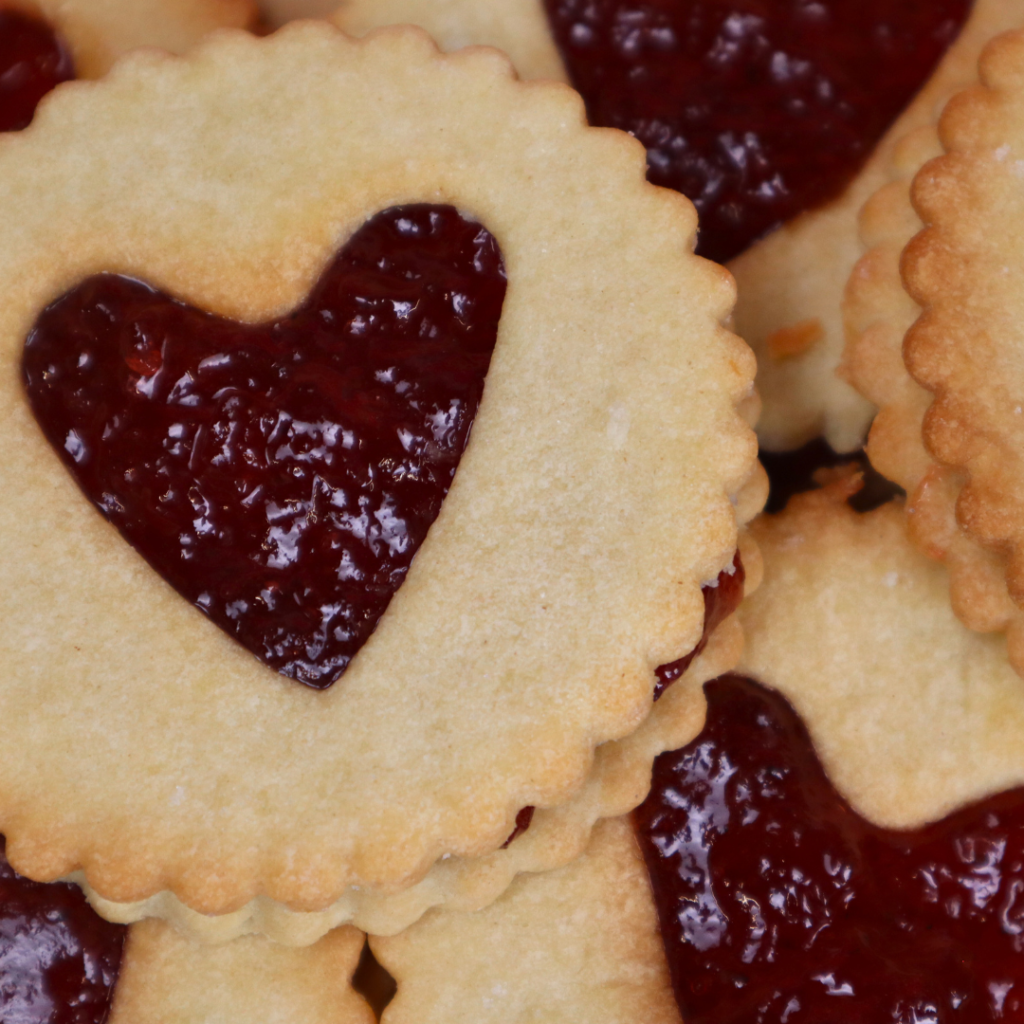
(911, 713)
(97, 32)
(518, 27)
(580, 944)
(794, 278)
(137, 741)
(167, 979)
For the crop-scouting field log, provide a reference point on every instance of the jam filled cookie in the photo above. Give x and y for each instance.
(888, 888)
(965, 270)
(878, 313)
(87, 36)
(191, 260)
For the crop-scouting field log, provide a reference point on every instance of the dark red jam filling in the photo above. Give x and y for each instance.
(720, 601)
(32, 62)
(58, 959)
(778, 903)
(523, 819)
(755, 109)
(280, 476)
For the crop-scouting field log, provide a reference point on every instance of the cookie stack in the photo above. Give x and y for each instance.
(379, 496)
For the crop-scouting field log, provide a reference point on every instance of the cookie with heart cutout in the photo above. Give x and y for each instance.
(590, 506)
(91, 34)
(878, 313)
(863, 799)
(963, 349)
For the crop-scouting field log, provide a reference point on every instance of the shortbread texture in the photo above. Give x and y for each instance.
(794, 279)
(878, 313)
(167, 979)
(97, 32)
(911, 713)
(142, 745)
(967, 272)
(519, 28)
(578, 944)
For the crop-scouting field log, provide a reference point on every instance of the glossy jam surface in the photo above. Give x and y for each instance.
(755, 109)
(32, 62)
(58, 960)
(280, 476)
(720, 601)
(778, 903)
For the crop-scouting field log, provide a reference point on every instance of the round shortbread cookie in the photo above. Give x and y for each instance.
(217, 180)
(911, 713)
(99, 31)
(878, 313)
(791, 284)
(965, 269)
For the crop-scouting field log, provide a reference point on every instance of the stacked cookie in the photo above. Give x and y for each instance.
(388, 459)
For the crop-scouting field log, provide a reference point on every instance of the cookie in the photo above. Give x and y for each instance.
(60, 963)
(841, 835)
(962, 349)
(166, 978)
(791, 283)
(878, 313)
(97, 32)
(518, 27)
(580, 943)
(513, 649)
(852, 625)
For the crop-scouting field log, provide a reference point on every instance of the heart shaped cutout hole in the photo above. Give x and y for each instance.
(281, 476)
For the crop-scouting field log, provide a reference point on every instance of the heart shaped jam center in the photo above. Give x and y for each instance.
(755, 109)
(281, 476)
(58, 959)
(32, 62)
(779, 903)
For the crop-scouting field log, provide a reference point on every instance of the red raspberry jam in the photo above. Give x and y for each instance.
(32, 62)
(280, 476)
(780, 905)
(720, 601)
(58, 960)
(755, 109)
